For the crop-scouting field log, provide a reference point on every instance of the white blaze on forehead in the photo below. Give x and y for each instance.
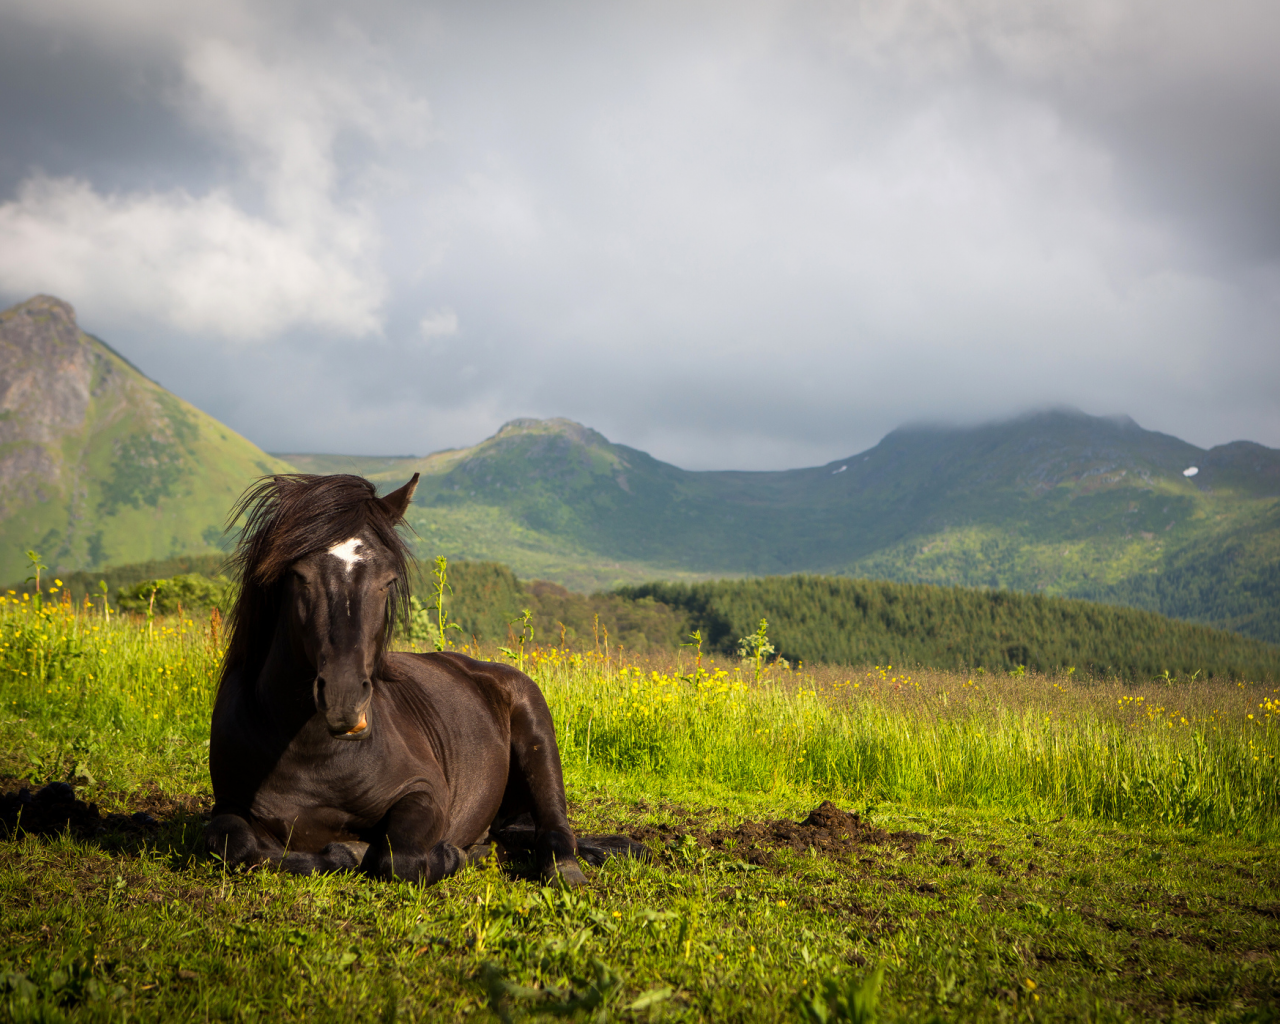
(347, 552)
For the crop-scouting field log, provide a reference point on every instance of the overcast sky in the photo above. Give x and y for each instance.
(736, 235)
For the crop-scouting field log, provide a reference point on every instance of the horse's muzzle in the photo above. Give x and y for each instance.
(347, 721)
(353, 725)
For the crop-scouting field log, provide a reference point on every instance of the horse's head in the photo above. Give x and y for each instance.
(339, 601)
(324, 569)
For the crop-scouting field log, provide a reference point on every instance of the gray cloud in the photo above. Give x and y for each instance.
(734, 235)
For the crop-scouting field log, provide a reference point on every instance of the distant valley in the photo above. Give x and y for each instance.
(101, 466)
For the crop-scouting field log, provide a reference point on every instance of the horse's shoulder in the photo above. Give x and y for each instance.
(500, 685)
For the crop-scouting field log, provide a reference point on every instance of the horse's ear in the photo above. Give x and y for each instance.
(397, 502)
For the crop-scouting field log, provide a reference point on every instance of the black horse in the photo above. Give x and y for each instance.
(328, 751)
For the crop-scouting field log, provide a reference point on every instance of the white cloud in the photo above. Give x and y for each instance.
(198, 264)
(305, 254)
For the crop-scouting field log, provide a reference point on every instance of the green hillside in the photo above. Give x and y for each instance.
(85, 582)
(486, 599)
(98, 464)
(537, 496)
(1058, 503)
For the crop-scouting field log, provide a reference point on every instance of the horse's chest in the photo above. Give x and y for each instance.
(309, 803)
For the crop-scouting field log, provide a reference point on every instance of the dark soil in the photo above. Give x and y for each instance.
(56, 809)
(827, 830)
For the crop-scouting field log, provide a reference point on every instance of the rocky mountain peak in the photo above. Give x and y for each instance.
(557, 425)
(43, 317)
(47, 370)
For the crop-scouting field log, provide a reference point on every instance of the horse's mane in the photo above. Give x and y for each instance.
(288, 517)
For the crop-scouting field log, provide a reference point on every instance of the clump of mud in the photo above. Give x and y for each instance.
(55, 809)
(827, 829)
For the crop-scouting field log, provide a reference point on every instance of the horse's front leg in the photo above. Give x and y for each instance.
(413, 846)
(234, 840)
(334, 857)
(537, 758)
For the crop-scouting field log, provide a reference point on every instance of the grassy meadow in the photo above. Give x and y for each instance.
(1027, 848)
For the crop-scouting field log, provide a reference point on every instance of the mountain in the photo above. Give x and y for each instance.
(101, 466)
(98, 464)
(1057, 502)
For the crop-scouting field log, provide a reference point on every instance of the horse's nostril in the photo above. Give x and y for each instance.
(365, 685)
(320, 701)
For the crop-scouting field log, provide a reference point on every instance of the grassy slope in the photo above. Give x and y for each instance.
(534, 496)
(1049, 851)
(490, 533)
(1231, 577)
(216, 465)
(360, 465)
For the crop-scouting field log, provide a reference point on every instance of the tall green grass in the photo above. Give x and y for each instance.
(1033, 746)
(122, 703)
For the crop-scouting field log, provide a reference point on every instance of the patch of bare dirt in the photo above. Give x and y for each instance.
(152, 800)
(827, 830)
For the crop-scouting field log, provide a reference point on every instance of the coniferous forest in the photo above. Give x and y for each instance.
(862, 622)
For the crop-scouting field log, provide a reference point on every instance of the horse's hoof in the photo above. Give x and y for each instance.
(478, 852)
(298, 863)
(345, 856)
(568, 875)
(595, 850)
